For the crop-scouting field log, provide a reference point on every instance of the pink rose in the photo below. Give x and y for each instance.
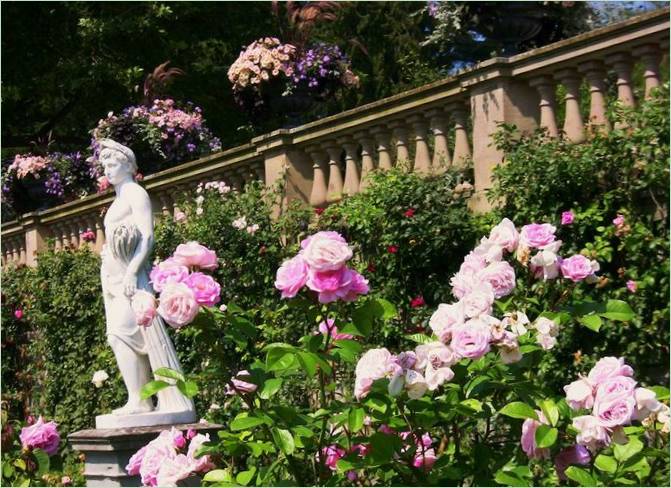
(501, 276)
(18, 313)
(173, 469)
(415, 384)
(617, 385)
(614, 410)
(471, 339)
(571, 455)
(358, 286)
(291, 276)
(41, 435)
(579, 394)
(156, 453)
(619, 221)
(608, 367)
(445, 318)
(528, 439)
(144, 307)
(373, 365)
(567, 217)
(537, 235)
(204, 288)
(505, 235)
(424, 459)
(328, 327)
(190, 434)
(646, 403)
(241, 386)
(342, 283)
(489, 250)
(463, 283)
(591, 433)
(178, 305)
(195, 255)
(66, 481)
(326, 251)
(330, 455)
(478, 301)
(178, 438)
(578, 267)
(203, 463)
(167, 271)
(545, 264)
(180, 216)
(632, 286)
(135, 461)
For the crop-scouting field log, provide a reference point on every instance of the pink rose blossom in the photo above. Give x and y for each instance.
(567, 217)
(617, 385)
(614, 409)
(463, 283)
(178, 305)
(291, 276)
(241, 386)
(167, 271)
(156, 453)
(608, 367)
(203, 463)
(471, 339)
(545, 263)
(591, 433)
(173, 469)
(415, 384)
(571, 455)
(178, 438)
(528, 439)
(18, 314)
(342, 283)
(489, 250)
(578, 267)
(326, 251)
(358, 286)
(505, 235)
(205, 288)
(579, 394)
(328, 327)
(66, 481)
(373, 365)
(632, 286)
(144, 307)
(190, 434)
(537, 235)
(646, 403)
(330, 455)
(619, 221)
(478, 301)
(134, 463)
(195, 255)
(41, 435)
(180, 216)
(445, 318)
(500, 276)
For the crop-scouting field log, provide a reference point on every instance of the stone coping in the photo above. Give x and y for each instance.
(118, 435)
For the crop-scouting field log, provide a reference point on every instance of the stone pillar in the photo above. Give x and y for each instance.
(595, 75)
(382, 138)
(546, 90)
(401, 135)
(621, 63)
(352, 178)
(441, 150)
(500, 100)
(573, 126)
(35, 237)
(650, 57)
(319, 188)
(422, 154)
(367, 157)
(462, 148)
(107, 451)
(334, 193)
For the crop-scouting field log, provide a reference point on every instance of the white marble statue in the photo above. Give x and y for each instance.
(129, 231)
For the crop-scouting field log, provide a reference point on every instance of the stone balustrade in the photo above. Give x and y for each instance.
(446, 123)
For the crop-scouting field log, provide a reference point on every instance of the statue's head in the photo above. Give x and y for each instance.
(118, 161)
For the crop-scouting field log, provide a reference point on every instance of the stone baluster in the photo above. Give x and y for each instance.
(236, 181)
(319, 188)
(166, 202)
(21, 243)
(621, 63)
(56, 236)
(650, 57)
(441, 150)
(595, 75)
(462, 148)
(573, 126)
(401, 135)
(16, 250)
(65, 235)
(545, 86)
(383, 140)
(4, 253)
(367, 158)
(352, 176)
(335, 174)
(259, 170)
(73, 230)
(422, 153)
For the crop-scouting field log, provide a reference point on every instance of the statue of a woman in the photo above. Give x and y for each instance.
(129, 230)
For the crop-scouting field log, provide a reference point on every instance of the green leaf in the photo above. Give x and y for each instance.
(419, 338)
(42, 459)
(244, 477)
(20, 463)
(550, 410)
(580, 476)
(260, 448)
(509, 479)
(624, 452)
(188, 388)
(244, 421)
(638, 465)
(592, 322)
(218, 476)
(355, 419)
(278, 360)
(519, 410)
(270, 387)
(472, 404)
(308, 362)
(284, 440)
(618, 310)
(169, 373)
(546, 436)
(662, 392)
(344, 465)
(152, 388)
(605, 463)
(384, 447)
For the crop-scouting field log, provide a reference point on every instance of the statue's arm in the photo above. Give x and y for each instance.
(143, 218)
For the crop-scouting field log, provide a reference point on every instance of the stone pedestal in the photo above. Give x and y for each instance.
(107, 451)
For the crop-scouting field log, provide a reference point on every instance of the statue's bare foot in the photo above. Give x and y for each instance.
(135, 407)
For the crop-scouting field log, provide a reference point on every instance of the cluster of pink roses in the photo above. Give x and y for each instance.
(320, 265)
(610, 392)
(167, 459)
(27, 164)
(262, 60)
(41, 435)
(183, 289)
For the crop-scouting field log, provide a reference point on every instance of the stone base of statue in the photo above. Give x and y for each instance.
(107, 451)
(112, 421)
